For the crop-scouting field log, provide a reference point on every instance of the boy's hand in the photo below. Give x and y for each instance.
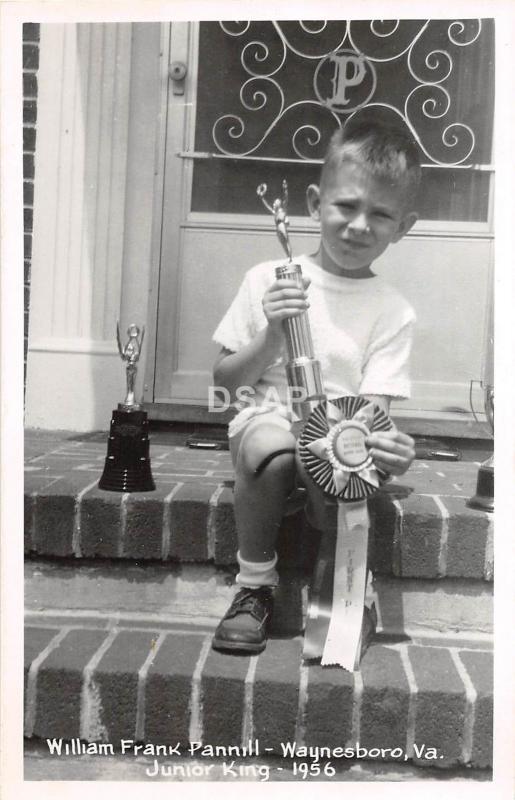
(282, 300)
(392, 451)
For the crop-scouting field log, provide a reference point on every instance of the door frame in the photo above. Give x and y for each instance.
(172, 215)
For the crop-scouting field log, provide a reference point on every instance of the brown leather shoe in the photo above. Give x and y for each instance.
(245, 625)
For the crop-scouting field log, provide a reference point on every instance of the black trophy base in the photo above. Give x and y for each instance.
(127, 466)
(484, 496)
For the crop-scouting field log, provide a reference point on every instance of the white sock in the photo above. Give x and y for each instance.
(257, 573)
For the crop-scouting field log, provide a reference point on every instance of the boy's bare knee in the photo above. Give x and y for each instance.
(260, 443)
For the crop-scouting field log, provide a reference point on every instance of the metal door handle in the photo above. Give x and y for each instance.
(178, 71)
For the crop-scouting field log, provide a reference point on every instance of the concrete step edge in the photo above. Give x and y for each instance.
(184, 623)
(203, 593)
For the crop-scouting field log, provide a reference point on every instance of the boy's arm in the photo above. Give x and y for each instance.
(244, 368)
(232, 369)
(392, 451)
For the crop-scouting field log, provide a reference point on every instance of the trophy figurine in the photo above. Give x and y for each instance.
(130, 353)
(484, 496)
(127, 465)
(331, 444)
(279, 209)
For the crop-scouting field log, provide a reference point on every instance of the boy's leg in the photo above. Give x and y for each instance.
(259, 503)
(260, 500)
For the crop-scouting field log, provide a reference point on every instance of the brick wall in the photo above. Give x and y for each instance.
(30, 92)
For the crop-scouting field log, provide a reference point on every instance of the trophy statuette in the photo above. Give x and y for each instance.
(302, 368)
(127, 465)
(130, 353)
(483, 499)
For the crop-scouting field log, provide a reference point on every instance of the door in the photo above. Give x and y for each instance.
(252, 102)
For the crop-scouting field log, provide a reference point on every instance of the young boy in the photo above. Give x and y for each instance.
(361, 329)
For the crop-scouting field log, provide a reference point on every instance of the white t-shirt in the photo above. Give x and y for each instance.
(361, 330)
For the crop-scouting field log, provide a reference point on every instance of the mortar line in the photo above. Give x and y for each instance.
(470, 708)
(88, 730)
(32, 678)
(196, 720)
(247, 728)
(58, 451)
(125, 625)
(124, 619)
(77, 552)
(167, 522)
(300, 723)
(397, 538)
(412, 701)
(79, 455)
(356, 708)
(211, 517)
(139, 733)
(461, 496)
(444, 535)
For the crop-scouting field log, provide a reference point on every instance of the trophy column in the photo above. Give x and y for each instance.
(127, 465)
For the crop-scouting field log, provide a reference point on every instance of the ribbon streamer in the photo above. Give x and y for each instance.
(350, 577)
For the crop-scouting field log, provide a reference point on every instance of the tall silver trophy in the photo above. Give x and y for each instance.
(331, 442)
(127, 465)
(484, 496)
(302, 369)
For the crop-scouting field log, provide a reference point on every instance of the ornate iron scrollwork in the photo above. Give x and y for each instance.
(347, 57)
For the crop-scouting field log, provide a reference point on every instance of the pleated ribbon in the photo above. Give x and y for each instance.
(333, 450)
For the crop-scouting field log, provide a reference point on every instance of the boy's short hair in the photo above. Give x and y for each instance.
(387, 150)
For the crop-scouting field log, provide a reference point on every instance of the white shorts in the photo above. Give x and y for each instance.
(282, 417)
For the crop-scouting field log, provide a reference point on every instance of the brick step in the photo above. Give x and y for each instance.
(166, 686)
(423, 528)
(150, 594)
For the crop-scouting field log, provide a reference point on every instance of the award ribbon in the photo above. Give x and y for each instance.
(333, 450)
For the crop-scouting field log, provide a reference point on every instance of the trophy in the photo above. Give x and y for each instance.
(127, 465)
(484, 496)
(332, 449)
(302, 369)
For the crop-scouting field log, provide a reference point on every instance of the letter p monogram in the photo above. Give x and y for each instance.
(337, 73)
(349, 70)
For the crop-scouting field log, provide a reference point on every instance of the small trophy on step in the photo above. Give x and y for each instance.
(127, 465)
(484, 496)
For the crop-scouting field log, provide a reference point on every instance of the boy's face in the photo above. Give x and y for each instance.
(359, 215)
